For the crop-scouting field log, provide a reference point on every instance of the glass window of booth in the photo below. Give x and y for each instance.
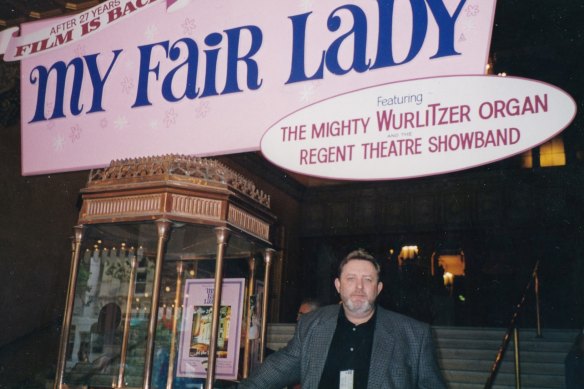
(113, 298)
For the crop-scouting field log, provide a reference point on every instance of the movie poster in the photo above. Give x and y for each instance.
(195, 334)
(256, 324)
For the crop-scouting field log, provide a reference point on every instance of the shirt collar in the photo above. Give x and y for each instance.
(343, 318)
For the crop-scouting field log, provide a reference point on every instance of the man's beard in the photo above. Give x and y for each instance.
(359, 307)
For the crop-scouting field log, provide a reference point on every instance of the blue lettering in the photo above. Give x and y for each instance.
(297, 72)
(145, 55)
(359, 33)
(191, 62)
(97, 81)
(211, 70)
(170, 89)
(384, 40)
(61, 74)
(231, 84)
(40, 75)
(445, 27)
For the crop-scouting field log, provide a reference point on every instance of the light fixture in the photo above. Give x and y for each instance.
(448, 278)
(408, 252)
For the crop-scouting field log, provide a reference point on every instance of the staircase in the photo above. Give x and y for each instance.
(466, 355)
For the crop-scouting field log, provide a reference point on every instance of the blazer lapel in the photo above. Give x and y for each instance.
(317, 349)
(381, 352)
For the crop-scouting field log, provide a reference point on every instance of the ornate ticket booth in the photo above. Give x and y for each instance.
(170, 261)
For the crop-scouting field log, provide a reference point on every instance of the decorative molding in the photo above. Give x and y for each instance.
(123, 206)
(153, 168)
(248, 223)
(196, 206)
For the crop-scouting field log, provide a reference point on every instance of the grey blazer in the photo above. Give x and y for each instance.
(402, 356)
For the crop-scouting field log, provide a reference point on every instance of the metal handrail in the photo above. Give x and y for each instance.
(512, 329)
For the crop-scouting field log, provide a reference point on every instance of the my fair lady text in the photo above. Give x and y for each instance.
(241, 71)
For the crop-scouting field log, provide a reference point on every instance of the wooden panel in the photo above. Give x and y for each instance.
(122, 207)
(248, 223)
(196, 206)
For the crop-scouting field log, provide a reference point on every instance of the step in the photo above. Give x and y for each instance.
(507, 366)
(466, 355)
(526, 344)
(527, 380)
(477, 355)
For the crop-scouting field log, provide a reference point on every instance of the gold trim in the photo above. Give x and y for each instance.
(222, 235)
(123, 206)
(248, 223)
(126, 333)
(163, 227)
(201, 171)
(196, 206)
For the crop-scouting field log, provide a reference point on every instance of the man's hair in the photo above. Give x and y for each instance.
(312, 303)
(361, 255)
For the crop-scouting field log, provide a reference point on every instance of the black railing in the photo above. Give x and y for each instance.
(512, 329)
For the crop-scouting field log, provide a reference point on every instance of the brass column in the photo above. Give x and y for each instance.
(66, 327)
(517, 361)
(177, 307)
(163, 226)
(222, 239)
(248, 310)
(126, 334)
(267, 260)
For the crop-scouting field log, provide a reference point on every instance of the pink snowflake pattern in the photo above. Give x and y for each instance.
(202, 109)
(306, 5)
(80, 50)
(103, 123)
(75, 133)
(151, 32)
(308, 91)
(170, 117)
(121, 122)
(468, 25)
(127, 85)
(189, 26)
(472, 10)
(58, 143)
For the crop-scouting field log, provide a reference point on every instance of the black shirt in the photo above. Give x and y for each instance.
(350, 349)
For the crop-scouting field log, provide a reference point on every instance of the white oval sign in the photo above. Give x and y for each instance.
(419, 127)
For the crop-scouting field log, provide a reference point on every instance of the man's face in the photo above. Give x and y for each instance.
(358, 286)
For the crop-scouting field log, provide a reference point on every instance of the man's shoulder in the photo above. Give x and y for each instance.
(397, 319)
(323, 314)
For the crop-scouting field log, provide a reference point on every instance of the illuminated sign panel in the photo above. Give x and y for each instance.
(128, 78)
(419, 127)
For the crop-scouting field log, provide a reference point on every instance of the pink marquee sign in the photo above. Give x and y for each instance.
(130, 78)
(419, 127)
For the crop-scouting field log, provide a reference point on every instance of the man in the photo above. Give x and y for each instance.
(306, 306)
(353, 345)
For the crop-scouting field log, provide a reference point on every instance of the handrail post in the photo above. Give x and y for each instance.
(513, 328)
(537, 306)
(517, 364)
